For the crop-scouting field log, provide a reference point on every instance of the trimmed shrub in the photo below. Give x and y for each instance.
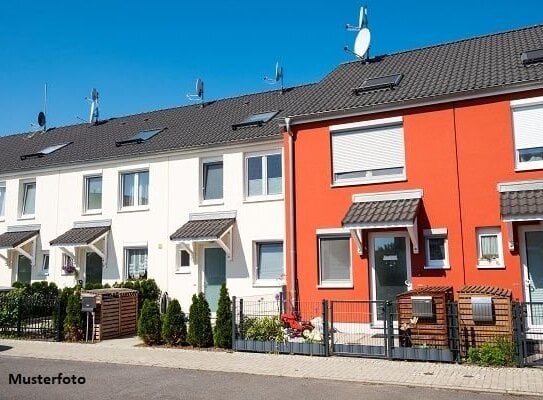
(174, 325)
(73, 328)
(264, 329)
(200, 333)
(500, 353)
(147, 289)
(222, 334)
(149, 324)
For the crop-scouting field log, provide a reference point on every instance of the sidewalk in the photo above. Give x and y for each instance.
(526, 381)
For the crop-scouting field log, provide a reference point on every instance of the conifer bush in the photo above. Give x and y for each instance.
(222, 334)
(149, 324)
(200, 333)
(73, 327)
(174, 325)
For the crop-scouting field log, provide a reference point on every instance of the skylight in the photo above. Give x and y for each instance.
(256, 119)
(46, 151)
(532, 56)
(381, 82)
(140, 137)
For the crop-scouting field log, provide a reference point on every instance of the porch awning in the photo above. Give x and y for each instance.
(382, 211)
(12, 240)
(80, 236)
(206, 227)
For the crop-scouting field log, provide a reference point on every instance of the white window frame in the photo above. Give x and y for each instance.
(3, 215)
(494, 263)
(210, 160)
(180, 269)
(24, 185)
(264, 195)
(86, 194)
(136, 206)
(266, 282)
(440, 233)
(357, 127)
(64, 261)
(125, 258)
(334, 284)
(519, 105)
(45, 254)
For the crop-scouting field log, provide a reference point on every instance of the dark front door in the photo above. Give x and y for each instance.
(24, 270)
(94, 268)
(214, 275)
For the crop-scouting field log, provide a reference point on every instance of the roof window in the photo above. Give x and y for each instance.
(382, 82)
(140, 137)
(256, 119)
(47, 150)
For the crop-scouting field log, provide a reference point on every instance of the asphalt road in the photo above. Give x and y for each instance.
(115, 381)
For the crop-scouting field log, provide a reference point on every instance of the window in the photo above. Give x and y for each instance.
(368, 152)
(93, 193)
(335, 260)
(2, 200)
(136, 262)
(29, 199)
(264, 175)
(255, 119)
(269, 262)
(68, 265)
(45, 263)
(436, 245)
(135, 189)
(489, 248)
(45, 151)
(140, 137)
(212, 180)
(183, 263)
(527, 126)
(377, 83)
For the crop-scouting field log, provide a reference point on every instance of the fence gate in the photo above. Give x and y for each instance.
(528, 333)
(359, 328)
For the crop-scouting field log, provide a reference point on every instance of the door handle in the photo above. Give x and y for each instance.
(407, 283)
(530, 284)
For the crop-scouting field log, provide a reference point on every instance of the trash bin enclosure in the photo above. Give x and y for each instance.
(116, 312)
(484, 314)
(422, 317)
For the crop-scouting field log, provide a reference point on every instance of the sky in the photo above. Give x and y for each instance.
(144, 56)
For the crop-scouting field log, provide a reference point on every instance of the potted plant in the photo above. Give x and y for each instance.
(68, 266)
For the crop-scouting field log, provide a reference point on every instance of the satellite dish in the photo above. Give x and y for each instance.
(278, 72)
(362, 42)
(94, 94)
(199, 88)
(41, 119)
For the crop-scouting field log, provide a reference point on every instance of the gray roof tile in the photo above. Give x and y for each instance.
(521, 203)
(9, 240)
(377, 212)
(204, 229)
(79, 236)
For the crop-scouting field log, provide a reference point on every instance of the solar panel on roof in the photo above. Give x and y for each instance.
(256, 119)
(47, 150)
(532, 56)
(140, 137)
(381, 82)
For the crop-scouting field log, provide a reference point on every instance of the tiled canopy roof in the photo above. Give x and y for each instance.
(79, 236)
(521, 203)
(204, 229)
(9, 240)
(379, 212)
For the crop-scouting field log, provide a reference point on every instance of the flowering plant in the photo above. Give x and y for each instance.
(68, 266)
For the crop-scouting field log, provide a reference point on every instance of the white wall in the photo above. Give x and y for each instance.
(174, 192)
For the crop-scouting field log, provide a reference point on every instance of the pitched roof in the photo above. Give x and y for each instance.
(378, 212)
(79, 236)
(462, 67)
(184, 128)
(521, 203)
(203, 229)
(10, 240)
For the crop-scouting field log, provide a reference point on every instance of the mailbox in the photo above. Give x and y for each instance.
(88, 303)
(422, 306)
(481, 309)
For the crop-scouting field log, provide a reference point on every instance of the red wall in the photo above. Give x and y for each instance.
(455, 153)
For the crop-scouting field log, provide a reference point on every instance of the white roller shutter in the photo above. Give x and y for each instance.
(368, 149)
(528, 126)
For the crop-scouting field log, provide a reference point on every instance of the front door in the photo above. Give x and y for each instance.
(93, 268)
(214, 275)
(24, 270)
(533, 274)
(390, 267)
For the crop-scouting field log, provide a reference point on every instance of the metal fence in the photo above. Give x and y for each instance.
(528, 333)
(31, 317)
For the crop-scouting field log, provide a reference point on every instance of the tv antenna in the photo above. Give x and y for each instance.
(42, 120)
(94, 111)
(363, 38)
(278, 76)
(199, 92)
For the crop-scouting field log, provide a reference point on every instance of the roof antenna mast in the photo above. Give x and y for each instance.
(199, 93)
(278, 77)
(363, 39)
(41, 115)
(94, 112)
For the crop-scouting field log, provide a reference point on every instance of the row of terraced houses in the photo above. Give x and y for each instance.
(423, 167)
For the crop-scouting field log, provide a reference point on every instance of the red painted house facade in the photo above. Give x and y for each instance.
(435, 179)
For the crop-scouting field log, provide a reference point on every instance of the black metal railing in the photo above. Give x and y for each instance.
(528, 333)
